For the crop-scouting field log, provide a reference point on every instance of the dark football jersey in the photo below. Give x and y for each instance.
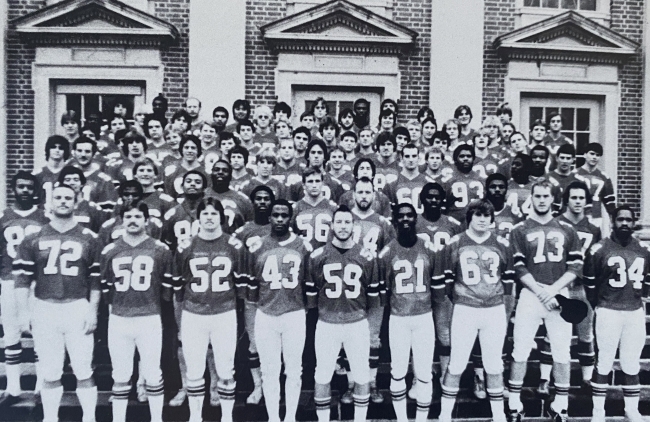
(65, 266)
(342, 285)
(90, 215)
(45, 180)
(252, 232)
(560, 183)
(15, 225)
(405, 273)
(312, 222)
(601, 189)
(113, 229)
(159, 203)
(481, 273)
(120, 170)
(518, 198)
(290, 175)
(237, 184)
(462, 188)
(99, 187)
(173, 179)
(346, 180)
(133, 277)
(588, 233)
(617, 273)
(385, 175)
(372, 232)
(277, 274)
(406, 190)
(179, 225)
(237, 208)
(504, 221)
(158, 154)
(440, 232)
(546, 251)
(487, 166)
(380, 204)
(211, 274)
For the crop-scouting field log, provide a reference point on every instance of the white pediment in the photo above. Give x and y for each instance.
(338, 25)
(569, 36)
(94, 22)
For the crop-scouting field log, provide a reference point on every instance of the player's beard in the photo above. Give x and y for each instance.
(365, 207)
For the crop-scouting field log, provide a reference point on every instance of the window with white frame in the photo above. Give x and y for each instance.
(562, 4)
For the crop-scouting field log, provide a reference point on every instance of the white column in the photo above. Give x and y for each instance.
(217, 56)
(456, 57)
(3, 105)
(645, 195)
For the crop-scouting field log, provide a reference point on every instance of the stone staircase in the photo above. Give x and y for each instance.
(469, 407)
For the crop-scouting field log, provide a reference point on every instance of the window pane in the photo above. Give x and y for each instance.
(91, 105)
(550, 3)
(536, 113)
(581, 143)
(345, 104)
(583, 119)
(531, 3)
(568, 135)
(73, 102)
(570, 4)
(110, 101)
(587, 4)
(567, 118)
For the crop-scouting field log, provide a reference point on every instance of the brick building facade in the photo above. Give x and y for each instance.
(420, 52)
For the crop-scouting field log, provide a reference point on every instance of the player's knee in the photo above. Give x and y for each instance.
(321, 376)
(397, 386)
(493, 365)
(520, 353)
(561, 355)
(361, 389)
(630, 365)
(322, 391)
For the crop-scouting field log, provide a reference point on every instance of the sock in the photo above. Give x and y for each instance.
(447, 402)
(631, 391)
(361, 401)
(226, 390)
(398, 396)
(514, 399)
(373, 361)
(120, 400)
(87, 395)
(155, 396)
(51, 399)
(322, 399)
(425, 389)
(12, 366)
(496, 404)
(39, 377)
(195, 397)
(587, 358)
(545, 360)
(561, 401)
(599, 391)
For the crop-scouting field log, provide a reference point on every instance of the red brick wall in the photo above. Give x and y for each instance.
(416, 67)
(627, 19)
(260, 63)
(20, 97)
(176, 58)
(499, 19)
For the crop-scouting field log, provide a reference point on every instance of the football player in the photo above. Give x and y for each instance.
(365, 167)
(342, 282)
(462, 185)
(134, 147)
(576, 198)
(180, 222)
(385, 160)
(15, 223)
(174, 172)
(505, 218)
(317, 156)
(136, 276)
(548, 258)
(312, 215)
(210, 271)
(478, 266)
(238, 159)
(266, 162)
(62, 259)
(405, 272)
(616, 276)
(99, 187)
(518, 198)
(600, 185)
(146, 172)
(409, 182)
(250, 233)
(276, 290)
(236, 205)
(86, 213)
(57, 154)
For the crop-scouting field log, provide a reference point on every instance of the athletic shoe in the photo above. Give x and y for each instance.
(7, 400)
(347, 397)
(558, 417)
(376, 396)
(178, 399)
(515, 416)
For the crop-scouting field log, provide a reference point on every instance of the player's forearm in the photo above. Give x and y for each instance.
(567, 279)
(529, 282)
